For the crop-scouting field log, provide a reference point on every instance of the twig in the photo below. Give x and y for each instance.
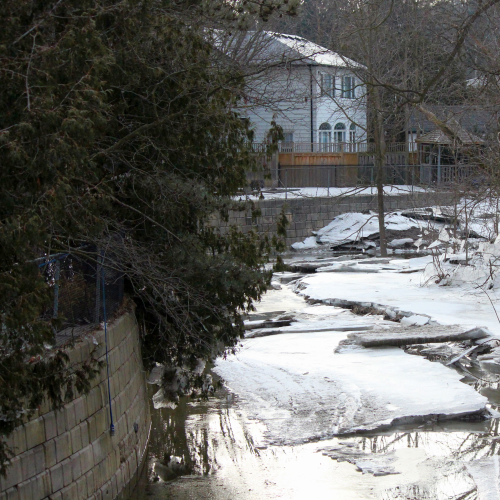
(27, 75)
(491, 302)
(36, 25)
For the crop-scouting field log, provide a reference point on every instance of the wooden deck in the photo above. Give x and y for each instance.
(338, 153)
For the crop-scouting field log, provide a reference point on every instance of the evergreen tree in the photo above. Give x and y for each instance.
(117, 128)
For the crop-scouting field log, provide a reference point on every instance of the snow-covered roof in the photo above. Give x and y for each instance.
(310, 52)
(257, 47)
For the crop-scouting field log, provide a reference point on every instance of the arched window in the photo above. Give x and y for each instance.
(352, 133)
(339, 132)
(325, 136)
(352, 138)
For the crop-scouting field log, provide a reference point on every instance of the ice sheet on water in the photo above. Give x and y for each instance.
(378, 464)
(323, 317)
(378, 265)
(446, 305)
(301, 390)
(485, 473)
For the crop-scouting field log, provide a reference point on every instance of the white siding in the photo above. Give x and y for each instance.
(284, 94)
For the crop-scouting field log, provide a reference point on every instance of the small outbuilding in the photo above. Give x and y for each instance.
(447, 156)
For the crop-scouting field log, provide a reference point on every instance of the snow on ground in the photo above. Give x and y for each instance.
(378, 265)
(313, 192)
(354, 226)
(325, 318)
(480, 216)
(301, 390)
(446, 305)
(467, 255)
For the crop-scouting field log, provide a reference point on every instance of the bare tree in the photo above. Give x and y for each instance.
(411, 56)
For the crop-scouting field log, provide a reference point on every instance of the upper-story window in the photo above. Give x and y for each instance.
(348, 87)
(327, 84)
(287, 136)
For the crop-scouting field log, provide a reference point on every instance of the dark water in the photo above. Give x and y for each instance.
(218, 454)
(212, 450)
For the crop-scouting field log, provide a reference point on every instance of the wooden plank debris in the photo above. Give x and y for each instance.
(460, 356)
(267, 332)
(427, 334)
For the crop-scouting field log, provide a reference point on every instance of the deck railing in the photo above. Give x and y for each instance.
(331, 176)
(329, 147)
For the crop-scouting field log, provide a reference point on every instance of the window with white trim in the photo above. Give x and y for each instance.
(325, 136)
(348, 87)
(339, 132)
(352, 133)
(327, 84)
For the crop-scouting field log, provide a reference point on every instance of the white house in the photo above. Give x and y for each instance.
(310, 91)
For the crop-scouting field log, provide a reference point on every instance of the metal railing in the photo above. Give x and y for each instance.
(330, 147)
(331, 176)
(76, 283)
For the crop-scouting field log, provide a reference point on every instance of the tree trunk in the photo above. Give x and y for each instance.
(380, 207)
(378, 129)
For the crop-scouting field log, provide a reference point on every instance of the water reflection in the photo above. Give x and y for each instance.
(225, 457)
(212, 450)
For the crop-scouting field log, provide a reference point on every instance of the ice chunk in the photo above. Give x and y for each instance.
(435, 244)
(399, 243)
(444, 236)
(156, 375)
(360, 389)
(371, 463)
(306, 244)
(378, 465)
(415, 320)
(351, 227)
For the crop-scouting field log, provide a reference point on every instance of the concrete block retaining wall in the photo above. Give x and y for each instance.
(310, 214)
(70, 454)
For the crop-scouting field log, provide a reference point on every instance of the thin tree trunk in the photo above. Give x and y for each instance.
(379, 164)
(381, 210)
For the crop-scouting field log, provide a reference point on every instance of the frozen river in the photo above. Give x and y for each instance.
(283, 425)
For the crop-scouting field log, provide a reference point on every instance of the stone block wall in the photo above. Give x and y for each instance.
(70, 454)
(310, 214)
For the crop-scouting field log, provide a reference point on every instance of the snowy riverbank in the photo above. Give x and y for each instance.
(288, 387)
(302, 390)
(322, 192)
(465, 305)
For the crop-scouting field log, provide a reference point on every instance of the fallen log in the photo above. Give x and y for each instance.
(267, 333)
(427, 334)
(268, 324)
